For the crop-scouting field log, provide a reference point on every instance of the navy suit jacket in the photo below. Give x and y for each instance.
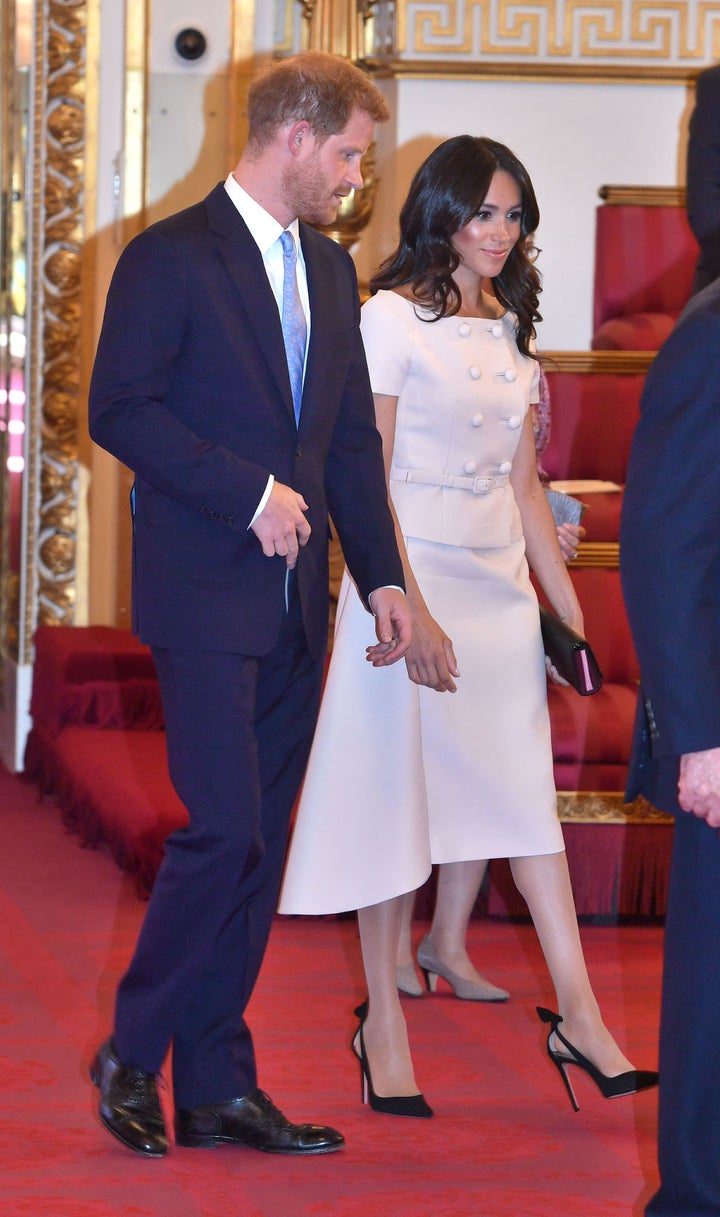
(190, 389)
(703, 175)
(670, 552)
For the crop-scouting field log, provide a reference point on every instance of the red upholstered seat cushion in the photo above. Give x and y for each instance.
(606, 625)
(601, 521)
(644, 260)
(93, 675)
(593, 730)
(591, 736)
(644, 263)
(639, 332)
(593, 418)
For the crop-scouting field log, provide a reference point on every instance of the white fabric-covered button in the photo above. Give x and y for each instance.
(470, 467)
(505, 467)
(514, 422)
(510, 375)
(497, 330)
(464, 329)
(477, 420)
(475, 372)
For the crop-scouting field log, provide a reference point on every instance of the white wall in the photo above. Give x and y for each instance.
(572, 137)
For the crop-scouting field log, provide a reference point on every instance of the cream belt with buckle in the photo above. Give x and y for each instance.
(425, 477)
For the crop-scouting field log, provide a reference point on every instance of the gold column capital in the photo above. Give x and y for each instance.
(338, 26)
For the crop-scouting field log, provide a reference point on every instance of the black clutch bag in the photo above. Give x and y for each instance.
(570, 654)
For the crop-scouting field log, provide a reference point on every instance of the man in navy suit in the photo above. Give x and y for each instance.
(703, 176)
(670, 565)
(191, 390)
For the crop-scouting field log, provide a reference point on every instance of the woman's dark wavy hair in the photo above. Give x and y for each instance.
(449, 189)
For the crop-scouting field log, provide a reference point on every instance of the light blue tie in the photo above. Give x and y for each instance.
(294, 326)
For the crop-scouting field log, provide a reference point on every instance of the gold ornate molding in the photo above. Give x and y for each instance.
(57, 226)
(606, 363)
(643, 196)
(605, 554)
(483, 68)
(607, 807)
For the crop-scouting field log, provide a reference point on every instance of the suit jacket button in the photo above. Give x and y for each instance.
(298, 451)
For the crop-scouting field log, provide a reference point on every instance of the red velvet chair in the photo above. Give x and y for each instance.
(645, 257)
(592, 735)
(594, 412)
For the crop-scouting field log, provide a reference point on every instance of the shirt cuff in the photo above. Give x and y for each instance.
(266, 495)
(385, 587)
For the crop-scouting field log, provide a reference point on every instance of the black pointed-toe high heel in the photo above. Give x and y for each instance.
(610, 1087)
(393, 1105)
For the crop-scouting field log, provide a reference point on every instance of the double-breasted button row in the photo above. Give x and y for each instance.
(496, 329)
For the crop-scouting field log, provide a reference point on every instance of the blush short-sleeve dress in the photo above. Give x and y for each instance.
(401, 777)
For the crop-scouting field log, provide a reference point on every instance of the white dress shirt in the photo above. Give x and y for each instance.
(265, 231)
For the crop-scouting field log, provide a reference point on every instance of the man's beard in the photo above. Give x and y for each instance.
(309, 198)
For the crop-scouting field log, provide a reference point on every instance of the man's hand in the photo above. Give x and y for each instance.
(699, 785)
(281, 527)
(392, 626)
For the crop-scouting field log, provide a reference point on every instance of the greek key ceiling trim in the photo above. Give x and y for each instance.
(57, 240)
(642, 33)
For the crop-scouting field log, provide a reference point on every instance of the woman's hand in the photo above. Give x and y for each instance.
(569, 537)
(430, 660)
(575, 620)
(553, 674)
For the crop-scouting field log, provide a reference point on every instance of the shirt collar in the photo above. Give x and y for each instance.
(264, 228)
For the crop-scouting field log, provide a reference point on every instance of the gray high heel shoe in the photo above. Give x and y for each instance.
(407, 980)
(467, 990)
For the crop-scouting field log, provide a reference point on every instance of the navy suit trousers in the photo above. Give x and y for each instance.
(239, 731)
(689, 1128)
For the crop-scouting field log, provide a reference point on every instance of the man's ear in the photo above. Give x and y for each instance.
(298, 136)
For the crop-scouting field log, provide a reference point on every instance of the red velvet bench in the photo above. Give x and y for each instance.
(97, 743)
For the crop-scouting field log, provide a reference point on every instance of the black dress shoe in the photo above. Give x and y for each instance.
(129, 1103)
(254, 1121)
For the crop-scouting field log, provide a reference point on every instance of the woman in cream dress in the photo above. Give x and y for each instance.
(454, 764)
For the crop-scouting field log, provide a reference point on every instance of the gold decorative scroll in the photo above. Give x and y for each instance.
(58, 231)
(561, 32)
(607, 807)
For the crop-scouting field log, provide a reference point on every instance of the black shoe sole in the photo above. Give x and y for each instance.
(201, 1142)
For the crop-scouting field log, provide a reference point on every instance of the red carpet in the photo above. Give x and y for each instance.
(504, 1143)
